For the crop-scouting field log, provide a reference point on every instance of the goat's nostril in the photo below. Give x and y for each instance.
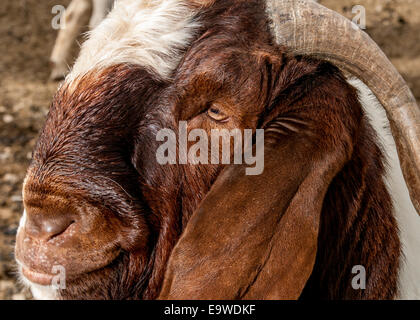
(42, 228)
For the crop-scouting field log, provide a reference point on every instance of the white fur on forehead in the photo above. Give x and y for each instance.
(150, 33)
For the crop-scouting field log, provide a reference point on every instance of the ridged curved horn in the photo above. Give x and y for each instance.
(309, 28)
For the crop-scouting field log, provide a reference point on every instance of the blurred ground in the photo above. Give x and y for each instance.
(26, 38)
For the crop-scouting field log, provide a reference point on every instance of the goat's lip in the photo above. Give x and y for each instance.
(45, 279)
(37, 277)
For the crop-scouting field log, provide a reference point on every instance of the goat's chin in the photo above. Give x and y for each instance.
(39, 292)
(117, 281)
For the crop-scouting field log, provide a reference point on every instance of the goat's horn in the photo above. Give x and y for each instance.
(309, 28)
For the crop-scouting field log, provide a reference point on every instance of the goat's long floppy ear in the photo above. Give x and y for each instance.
(255, 237)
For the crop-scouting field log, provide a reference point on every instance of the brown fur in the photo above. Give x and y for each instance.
(98, 149)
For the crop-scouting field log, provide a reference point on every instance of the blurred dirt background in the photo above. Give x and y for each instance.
(26, 38)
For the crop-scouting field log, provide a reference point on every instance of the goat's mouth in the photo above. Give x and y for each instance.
(37, 277)
(64, 272)
(32, 276)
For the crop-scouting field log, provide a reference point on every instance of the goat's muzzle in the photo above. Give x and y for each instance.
(59, 231)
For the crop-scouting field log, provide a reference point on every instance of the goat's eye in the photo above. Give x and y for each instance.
(216, 114)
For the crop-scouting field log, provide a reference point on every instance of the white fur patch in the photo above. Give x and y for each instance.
(150, 33)
(405, 213)
(44, 292)
(22, 221)
(39, 292)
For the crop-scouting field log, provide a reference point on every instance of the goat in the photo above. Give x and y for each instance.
(125, 227)
(79, 14)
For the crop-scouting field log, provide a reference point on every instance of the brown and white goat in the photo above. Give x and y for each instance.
(124, 227)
